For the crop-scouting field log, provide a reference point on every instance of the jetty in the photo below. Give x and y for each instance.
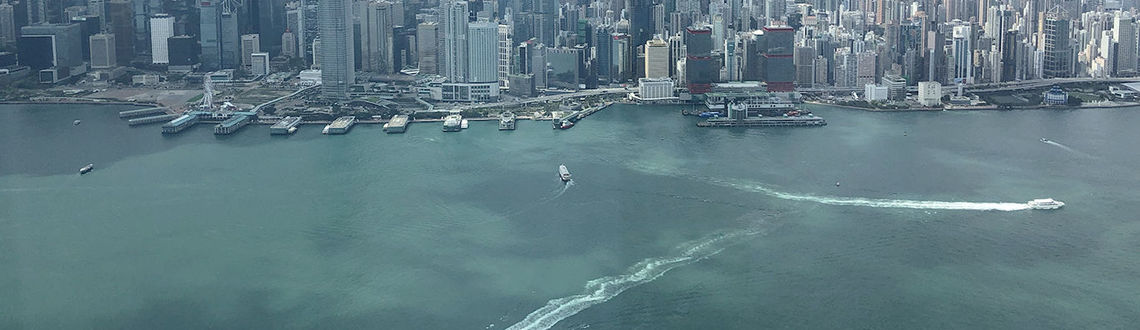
(234, 123)
(141, 112)
(150, 120)
(398, 124)
(286, 126)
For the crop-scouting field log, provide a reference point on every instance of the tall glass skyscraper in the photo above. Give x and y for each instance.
(337, 71)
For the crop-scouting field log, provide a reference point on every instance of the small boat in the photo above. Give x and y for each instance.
(1045, 140)
(463, 124)
(1045, 204)
(566, 124)
(76, 122)
(85, 169)
(836, 183)
(326, 130)
(563, 173)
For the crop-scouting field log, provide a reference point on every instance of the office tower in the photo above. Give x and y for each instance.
(779, 69)
(454, 34)
(259, 64)
(336, 54)
(376, 37)
(73, 12)
(676, 53)
(656, 59)
(102, 51)
(603, 50)
(209, 33)
(774, 10)
(161, 29)
(1009, 48)
(250, 43)
(1124, 35)
(316, 51)
(97, 8)
(288, 44)
(120, 19)
(7, 23)
(701, 70)
(36, 11)
(427, 34)
(640, 21)
(295, 23)
(229, 37)
(538, 65)
(143, 10)
(50, 45)
(963, 53)
(564, 67)
(183, 51)
(660, 16)
(805, 66)
(270, 16)
(504, 55)
(1058, 54)
(482, 52)
(622, 46)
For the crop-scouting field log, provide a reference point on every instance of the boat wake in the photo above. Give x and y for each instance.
(881, 203)
(1067, 148)
(603, 289)
(565, 187)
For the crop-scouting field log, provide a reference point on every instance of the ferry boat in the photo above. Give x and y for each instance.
(1045, 204)
(563, 124)
(563, 173)
(85, 169)
(76, 122)
(452, 123)
(507, 121)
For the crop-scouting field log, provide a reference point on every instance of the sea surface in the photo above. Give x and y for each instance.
(876, 221)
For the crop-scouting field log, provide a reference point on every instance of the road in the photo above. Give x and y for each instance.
(982, 88)
(547, 98)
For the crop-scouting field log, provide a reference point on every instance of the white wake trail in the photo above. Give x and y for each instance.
(603, 289)
(1069, 149)
(882, 203)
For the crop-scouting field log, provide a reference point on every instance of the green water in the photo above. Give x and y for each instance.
(666, 226)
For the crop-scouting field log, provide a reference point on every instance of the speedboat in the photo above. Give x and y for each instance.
(563, 173)
(76, 122)
(85, 169)
(326, 130)
(1045, 140)
(1045, 204)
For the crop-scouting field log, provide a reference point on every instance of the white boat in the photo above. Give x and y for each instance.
(86, 169)
(452, 123)
(563, 173)
(76, 122)
(1045, 204)
(326, 130)
(463, 124)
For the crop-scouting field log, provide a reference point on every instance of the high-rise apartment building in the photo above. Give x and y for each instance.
(161, 29)
(454, 34)
(336, 51)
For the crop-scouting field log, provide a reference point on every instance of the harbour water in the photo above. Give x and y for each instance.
(665, 226)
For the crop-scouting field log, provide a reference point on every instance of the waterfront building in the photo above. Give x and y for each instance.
(963, 54)
(929, 93)
(873, 93)
(161, 29)
(250, 43)
(183, 53)
(896, 87)
(655, 88)
(700, 67)
(427, 35)
(102, 51)
(779, 68)
(564, 67)
(336, 53)
(1124, 35)
(656, 58)
(51, 45)
(482, 52)
(1055, 96)
(259, 64)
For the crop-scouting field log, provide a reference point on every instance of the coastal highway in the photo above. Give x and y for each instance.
(547, 98)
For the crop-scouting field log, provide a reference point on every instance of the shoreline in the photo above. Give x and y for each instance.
(1034, 107)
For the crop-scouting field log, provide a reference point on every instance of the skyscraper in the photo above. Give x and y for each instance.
(427, 34)
(1124, 35)
(161, 29)
(336, 54)
(779, 66)
(504, 55)
(209, 32)
(700, 66)
(37, 11)
(656, 59)
(454, 49)
(121, 21)
(7, 24)
(250, 43)
(376, 37)
(102, 51)
(288, 44)
(1058, 54)
(482, 52)
(963, 53)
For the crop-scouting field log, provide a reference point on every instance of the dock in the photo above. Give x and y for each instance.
(575, 116)
(341, 125)
(141, 112)
(286, 126)
(398, 124)
(234, 123)
(764, 122)
(151, 119)
(181, 123)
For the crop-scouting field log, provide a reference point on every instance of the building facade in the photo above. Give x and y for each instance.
(161, 29)
(336, 49)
